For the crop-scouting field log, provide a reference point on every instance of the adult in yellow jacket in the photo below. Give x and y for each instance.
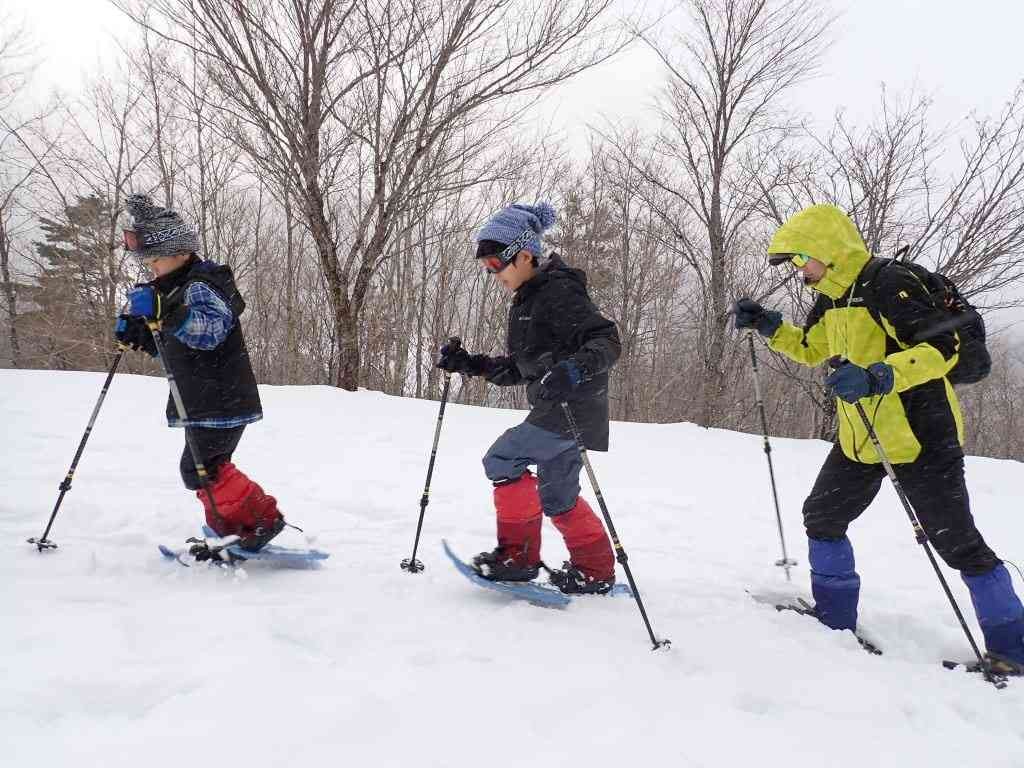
(874, 319)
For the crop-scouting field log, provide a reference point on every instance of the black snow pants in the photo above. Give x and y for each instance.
(215, 448)
(935, 485)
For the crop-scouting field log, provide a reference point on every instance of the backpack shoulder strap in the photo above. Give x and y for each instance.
(868, 282)
(869, 275)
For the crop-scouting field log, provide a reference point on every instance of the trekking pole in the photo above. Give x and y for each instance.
(620, 552)
(43, 542)
(411, 564)
(179, 405)
(786, 563)
(922, 537)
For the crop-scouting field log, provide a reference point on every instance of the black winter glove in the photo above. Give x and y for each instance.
(560, 381)
(455, 359)
(750, 314)
(134, 334)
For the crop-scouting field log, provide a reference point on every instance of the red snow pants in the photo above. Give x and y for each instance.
(585, 538)
(519, 516)
(519, 529)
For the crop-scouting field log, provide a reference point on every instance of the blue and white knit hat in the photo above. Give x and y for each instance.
(517, 224)
(159, 231)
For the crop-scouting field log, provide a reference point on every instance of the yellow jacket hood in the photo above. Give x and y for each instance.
(826, 234)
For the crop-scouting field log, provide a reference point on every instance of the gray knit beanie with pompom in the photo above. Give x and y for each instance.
(525, 223)
(159, 231)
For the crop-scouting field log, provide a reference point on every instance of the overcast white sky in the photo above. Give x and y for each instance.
(966, 55)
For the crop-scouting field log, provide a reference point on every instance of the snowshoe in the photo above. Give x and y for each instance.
(1000, 666)
(498, 565)
(572, 581)
(802, 607)
(995, 670)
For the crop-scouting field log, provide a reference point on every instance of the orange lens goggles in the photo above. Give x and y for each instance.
(132, 242)
(493, 264)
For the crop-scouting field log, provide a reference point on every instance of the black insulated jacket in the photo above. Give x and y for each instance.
(552, 319)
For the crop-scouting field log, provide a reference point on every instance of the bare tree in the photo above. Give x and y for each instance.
(17, 166)
(722, 98)
(881, 173)
(16, 64)
(357, 94)
(974, 225)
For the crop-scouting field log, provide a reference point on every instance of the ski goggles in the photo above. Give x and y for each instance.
(132, 241)
(497, 262)
(494, 264)
(798, 260)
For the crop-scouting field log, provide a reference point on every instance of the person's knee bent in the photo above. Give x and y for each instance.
(500, 469)
(501, 462)
(967, 553)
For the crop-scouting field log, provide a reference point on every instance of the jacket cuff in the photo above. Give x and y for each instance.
(479, 365)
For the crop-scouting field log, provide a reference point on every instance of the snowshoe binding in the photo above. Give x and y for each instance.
(214, 551)
(572, 581)
(246, 540)
(499, 565)
(1003, 666)
(804, 608)
(998, 665)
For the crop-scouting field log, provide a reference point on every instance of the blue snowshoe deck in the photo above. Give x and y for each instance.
(271, 553)
(538, 594)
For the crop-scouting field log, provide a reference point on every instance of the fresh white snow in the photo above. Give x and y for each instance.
(114, 657)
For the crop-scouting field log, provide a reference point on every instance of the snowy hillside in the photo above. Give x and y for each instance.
(115, 657)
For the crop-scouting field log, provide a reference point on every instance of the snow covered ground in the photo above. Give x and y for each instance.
(114, 657)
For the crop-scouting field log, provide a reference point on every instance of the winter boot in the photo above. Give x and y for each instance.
(834, 582)
(262, 535)
(517, 556)
(243, 509)
(499, 565)
(589, 548)
(572, 581)
(1004, 666)
(1000, 615)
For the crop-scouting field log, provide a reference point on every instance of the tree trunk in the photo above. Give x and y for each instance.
(290, 353)
(347, 330)
(714, 381)
(10, 295)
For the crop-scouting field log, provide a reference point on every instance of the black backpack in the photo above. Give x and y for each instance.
(957, 314)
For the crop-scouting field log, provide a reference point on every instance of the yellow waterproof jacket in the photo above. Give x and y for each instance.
(922, 411)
